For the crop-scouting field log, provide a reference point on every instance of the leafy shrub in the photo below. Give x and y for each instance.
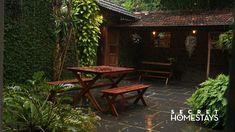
(210, 96)
(225, 40)
(26, 109)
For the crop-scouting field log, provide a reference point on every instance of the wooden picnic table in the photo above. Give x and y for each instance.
(99, 72)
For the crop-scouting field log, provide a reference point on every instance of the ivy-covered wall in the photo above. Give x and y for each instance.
(29, 39)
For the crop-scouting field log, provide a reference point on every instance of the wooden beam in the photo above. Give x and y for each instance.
(208, 56)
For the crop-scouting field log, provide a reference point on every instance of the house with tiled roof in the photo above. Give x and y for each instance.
(187, 37)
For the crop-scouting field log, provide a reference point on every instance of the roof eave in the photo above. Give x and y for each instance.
(199, 25)
(116, 8)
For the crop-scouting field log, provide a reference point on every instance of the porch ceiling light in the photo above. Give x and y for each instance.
(194, 31)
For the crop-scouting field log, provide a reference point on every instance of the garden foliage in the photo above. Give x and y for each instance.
(210, 95)
(225, 40)
(26, 109)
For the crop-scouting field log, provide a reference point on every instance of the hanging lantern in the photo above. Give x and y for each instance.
(190, 44)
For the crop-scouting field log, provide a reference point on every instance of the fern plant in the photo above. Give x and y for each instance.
(26, 109)
(210, 96)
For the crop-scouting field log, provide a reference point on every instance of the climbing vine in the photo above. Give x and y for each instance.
(77, 22)
(87, 20)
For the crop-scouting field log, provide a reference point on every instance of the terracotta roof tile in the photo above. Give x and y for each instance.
(185, 18)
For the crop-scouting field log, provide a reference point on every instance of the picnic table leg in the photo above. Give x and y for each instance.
(76, 100)
(116, 82)
(140, 97)
(93, 101)
(119, 80)
(111, 102)
(86, 90)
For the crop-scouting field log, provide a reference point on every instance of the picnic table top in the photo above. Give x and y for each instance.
(101, 69)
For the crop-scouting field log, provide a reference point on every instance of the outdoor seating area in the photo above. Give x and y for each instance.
(112, 90)
(118, 66)
(159, 100)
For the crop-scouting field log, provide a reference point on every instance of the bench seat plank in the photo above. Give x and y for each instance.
(156, 63)
(125, 89)
(155, 76)
(68, 81)
(155, 71)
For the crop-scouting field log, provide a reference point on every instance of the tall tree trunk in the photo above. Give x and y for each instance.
(57, 60)
(62, 41)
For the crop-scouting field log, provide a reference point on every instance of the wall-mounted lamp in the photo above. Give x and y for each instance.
(194, 31)
(154, 33)
(102, 17)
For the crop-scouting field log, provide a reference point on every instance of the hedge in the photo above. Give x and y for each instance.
(29, 39)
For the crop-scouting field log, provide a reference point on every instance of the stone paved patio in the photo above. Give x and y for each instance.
(156, 116)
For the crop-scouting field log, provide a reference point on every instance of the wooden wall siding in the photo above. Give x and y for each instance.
(101, 48)
(112, 47)
(130, 53)
(187, 69)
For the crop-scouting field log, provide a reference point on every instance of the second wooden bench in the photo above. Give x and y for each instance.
(53, 93)
(112, 93)
(158, 70)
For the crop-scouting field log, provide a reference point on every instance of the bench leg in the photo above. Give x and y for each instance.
(75, 101)
(52, 96)
(167, 79)
(140, 78)
(111, 102)
(140, 97)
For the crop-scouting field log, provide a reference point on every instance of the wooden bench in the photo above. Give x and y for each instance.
(112, 93)
(53, 93)
(156, 72)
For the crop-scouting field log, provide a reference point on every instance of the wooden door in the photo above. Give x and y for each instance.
(112, 48)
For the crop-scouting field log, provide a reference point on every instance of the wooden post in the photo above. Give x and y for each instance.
(1, 60)
(208, 56)
(230, 120)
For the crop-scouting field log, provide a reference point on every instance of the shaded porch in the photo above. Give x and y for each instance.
(194, 68)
